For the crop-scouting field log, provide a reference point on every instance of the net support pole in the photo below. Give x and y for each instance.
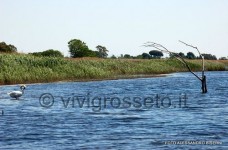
(204, 79)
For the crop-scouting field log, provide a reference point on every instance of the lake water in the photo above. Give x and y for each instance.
(144, 113)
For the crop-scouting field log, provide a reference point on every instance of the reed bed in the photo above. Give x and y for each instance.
(16, 69)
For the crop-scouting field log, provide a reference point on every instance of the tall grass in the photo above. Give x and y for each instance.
(15, 69)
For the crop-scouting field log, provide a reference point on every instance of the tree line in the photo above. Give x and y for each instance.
(78, 49)
(154, 54)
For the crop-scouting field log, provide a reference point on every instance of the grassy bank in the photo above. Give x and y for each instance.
(15, 68)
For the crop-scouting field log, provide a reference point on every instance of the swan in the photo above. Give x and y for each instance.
(17, 94)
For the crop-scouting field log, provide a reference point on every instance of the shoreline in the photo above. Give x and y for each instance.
(118, 77)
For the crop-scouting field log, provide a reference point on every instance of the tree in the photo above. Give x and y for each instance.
(223, 58)
(52, 53)
(77, 48)
(146, 56)
(139, 57)
(7, 48)
(96, 54)
(190, 55)
(113, 57)
(102, 51)
(209, 57)
(172, 55)
(182, 55)
(127, 56)
(48, 53)
(156, 54)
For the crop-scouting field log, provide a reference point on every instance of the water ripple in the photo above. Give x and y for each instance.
(27, 125)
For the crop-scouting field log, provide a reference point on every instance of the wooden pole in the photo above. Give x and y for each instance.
(204, 79)
(181, 59)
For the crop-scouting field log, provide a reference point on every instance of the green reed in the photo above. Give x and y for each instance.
(22, 68)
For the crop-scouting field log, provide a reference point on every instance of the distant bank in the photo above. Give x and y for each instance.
(19, 68)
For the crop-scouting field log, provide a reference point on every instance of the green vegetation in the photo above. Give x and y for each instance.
(48, 53)
(50, 65)
(209, 57)
(22, 68)
(7, 48)
(190, 55)
(156, 54)
(78, 48)
(102, 51)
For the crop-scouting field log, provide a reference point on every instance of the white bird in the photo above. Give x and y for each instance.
(17, 94)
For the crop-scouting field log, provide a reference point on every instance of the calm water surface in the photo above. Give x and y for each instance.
(117, 114)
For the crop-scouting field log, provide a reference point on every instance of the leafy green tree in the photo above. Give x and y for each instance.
(127, 56)
(190, 55)
(7, 48)
(38, 54)
(96, 54)
(103, 52)
(209, 57)
(139, 57)
(52, 53)
(156, 54)
(91, 53)
(172, 55)
(181, 54)
(77, 48)
(48, 53)
(146, 56)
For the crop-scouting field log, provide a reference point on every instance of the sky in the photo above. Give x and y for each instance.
(122, 26)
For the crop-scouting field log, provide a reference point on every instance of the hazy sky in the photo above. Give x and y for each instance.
(122, 26)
